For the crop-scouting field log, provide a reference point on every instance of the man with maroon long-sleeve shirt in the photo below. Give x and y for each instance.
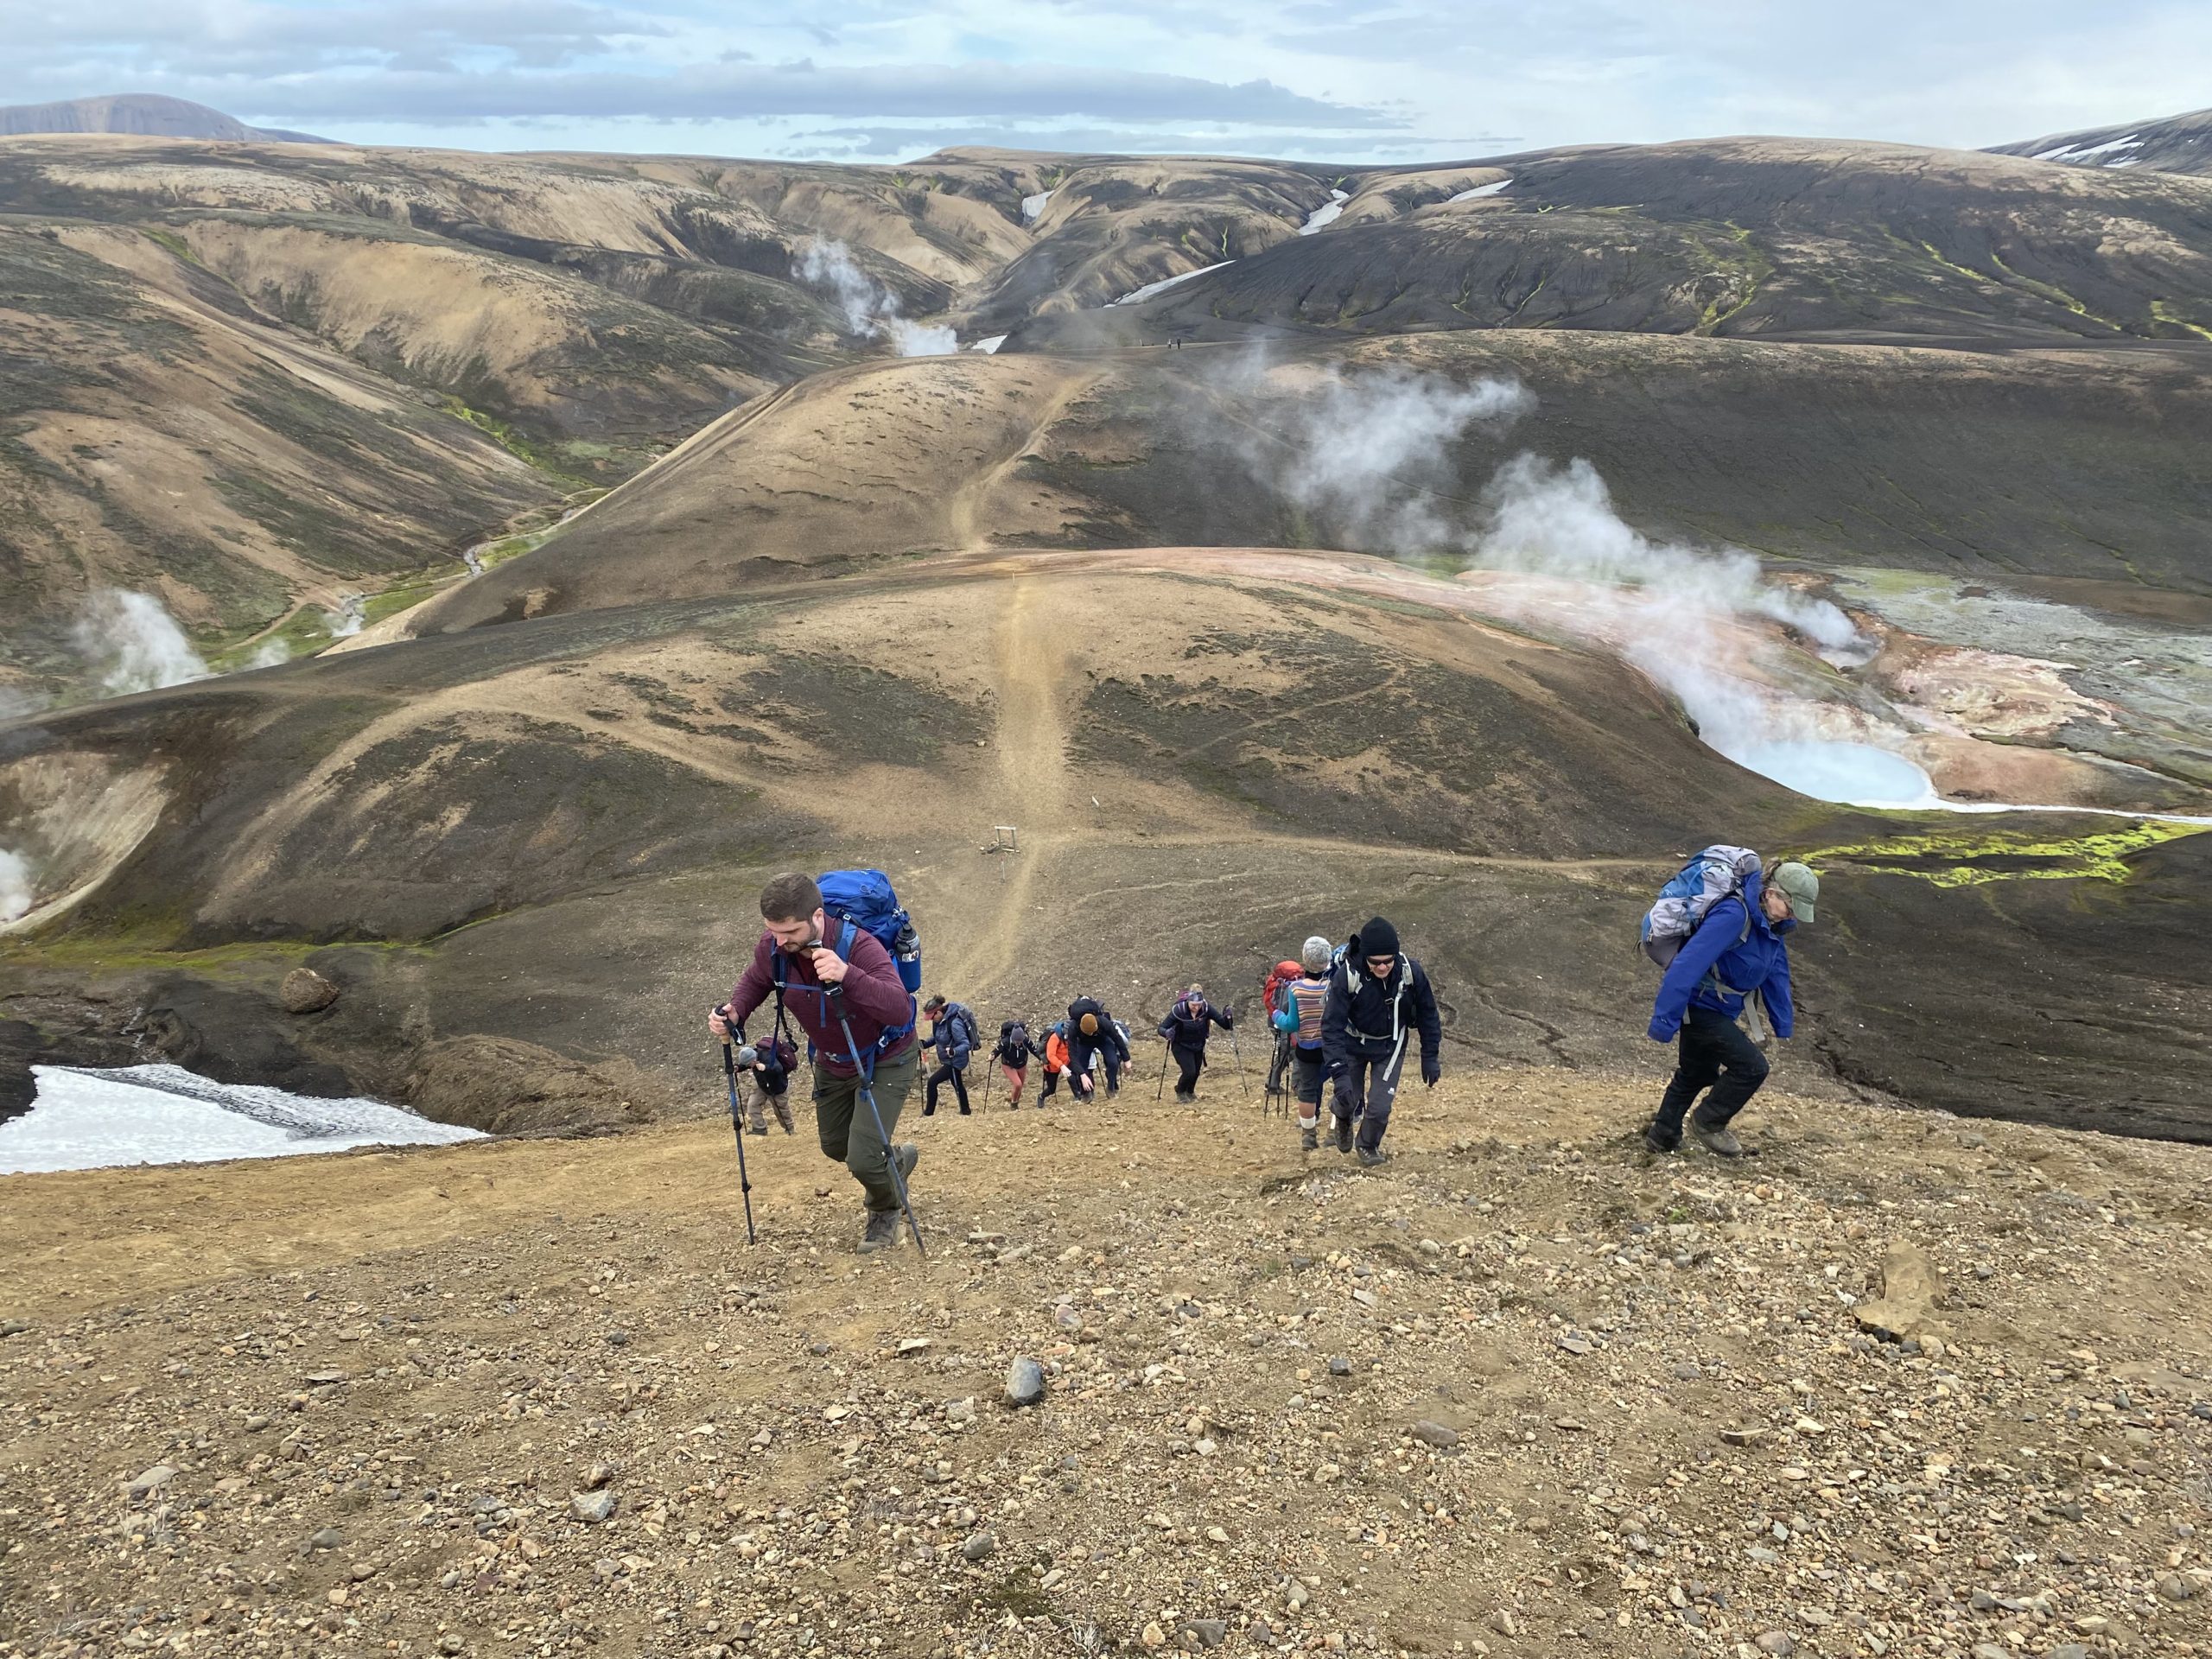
(805, 943)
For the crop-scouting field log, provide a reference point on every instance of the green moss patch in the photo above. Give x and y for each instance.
(1968, 859)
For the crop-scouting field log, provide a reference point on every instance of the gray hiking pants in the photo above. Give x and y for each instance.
(848, 1128)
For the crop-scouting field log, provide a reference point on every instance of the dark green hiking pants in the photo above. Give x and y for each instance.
(848, 1131)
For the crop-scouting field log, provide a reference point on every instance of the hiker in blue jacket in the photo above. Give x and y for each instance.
(952, 1035)
(1739, 955)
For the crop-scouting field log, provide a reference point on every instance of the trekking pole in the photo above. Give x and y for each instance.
(834, 996)
(1161, 1087)
(744, 1180)
(1243, 1083)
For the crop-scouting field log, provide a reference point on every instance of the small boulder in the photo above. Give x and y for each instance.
(305, 991)
(1911, 1293)
(152, 1481)
(592, 1508)
(1211, 1632)
(1442, 1436)
(979, 1546)
(1025, 1381)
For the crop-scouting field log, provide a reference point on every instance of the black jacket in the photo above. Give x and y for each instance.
(1109, 1032)
(1009, 1052)
(1185, 1029)
(1370, 1017)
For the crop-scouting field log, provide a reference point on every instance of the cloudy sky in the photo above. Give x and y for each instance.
(1343, 79)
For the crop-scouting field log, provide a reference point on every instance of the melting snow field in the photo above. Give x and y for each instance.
(1325, 214)
(1495, 188)
(165, 1114)
(1165, 283)
(1033, 208)
(990, 344)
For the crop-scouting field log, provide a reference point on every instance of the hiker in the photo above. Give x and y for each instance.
(1297, 1020)
(1377, 998)
(799, 958)
(1055, 1056)
(1271, 984)
(1095, 1034)
(765, 1080)
(1187, 1028)
(952, 1035)
(1742, 942)
(1012, 1055)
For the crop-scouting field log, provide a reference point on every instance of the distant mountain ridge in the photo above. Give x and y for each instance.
(2173, 143)
(147, 115)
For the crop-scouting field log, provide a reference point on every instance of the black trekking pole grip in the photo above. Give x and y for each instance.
(737, 1125)
(834, 996)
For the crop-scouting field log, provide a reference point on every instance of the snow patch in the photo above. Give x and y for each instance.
(165, 1114)
(1326, 213)
(1496, 188)
(2078, 154)
(1165, 283)
(990, 343)
(1033, 208)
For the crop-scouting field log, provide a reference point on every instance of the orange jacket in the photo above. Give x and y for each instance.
(1056, 1052)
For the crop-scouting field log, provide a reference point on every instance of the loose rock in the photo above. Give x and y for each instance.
(592, 1508)
(1025, 1381)
(305, 991)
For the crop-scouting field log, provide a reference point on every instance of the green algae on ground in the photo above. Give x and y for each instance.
(1965, 859)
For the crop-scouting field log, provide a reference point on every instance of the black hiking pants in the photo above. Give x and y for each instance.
(944, 1074)
(1189, 1062)
(1713, 1053)
(1080, 1054)
(1367, 1092)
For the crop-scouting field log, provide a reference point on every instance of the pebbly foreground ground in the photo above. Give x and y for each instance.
(1522, 1390)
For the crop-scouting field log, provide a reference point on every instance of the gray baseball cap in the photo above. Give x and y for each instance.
(1800, 887)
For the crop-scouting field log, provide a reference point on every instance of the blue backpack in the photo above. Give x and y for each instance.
(1719, 872)
(867, 900)
(863, 901)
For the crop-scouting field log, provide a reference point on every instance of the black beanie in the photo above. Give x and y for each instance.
(1378, 938)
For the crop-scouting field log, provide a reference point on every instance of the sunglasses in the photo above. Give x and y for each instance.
(1382, 964)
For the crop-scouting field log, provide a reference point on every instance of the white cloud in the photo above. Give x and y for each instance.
(1341, 78)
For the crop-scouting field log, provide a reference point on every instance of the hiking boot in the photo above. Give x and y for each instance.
(1310, 1140)
(1186, 1096)
(882, 1232)
(1344, 1134)
(1370, 1156)
(1659, 1143)
(757, 1127)
(1717, 1139)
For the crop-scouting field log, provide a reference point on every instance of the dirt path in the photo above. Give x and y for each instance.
(1031, 744)
(964, 515)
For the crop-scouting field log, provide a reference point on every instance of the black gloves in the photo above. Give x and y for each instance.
(1431, 1070)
